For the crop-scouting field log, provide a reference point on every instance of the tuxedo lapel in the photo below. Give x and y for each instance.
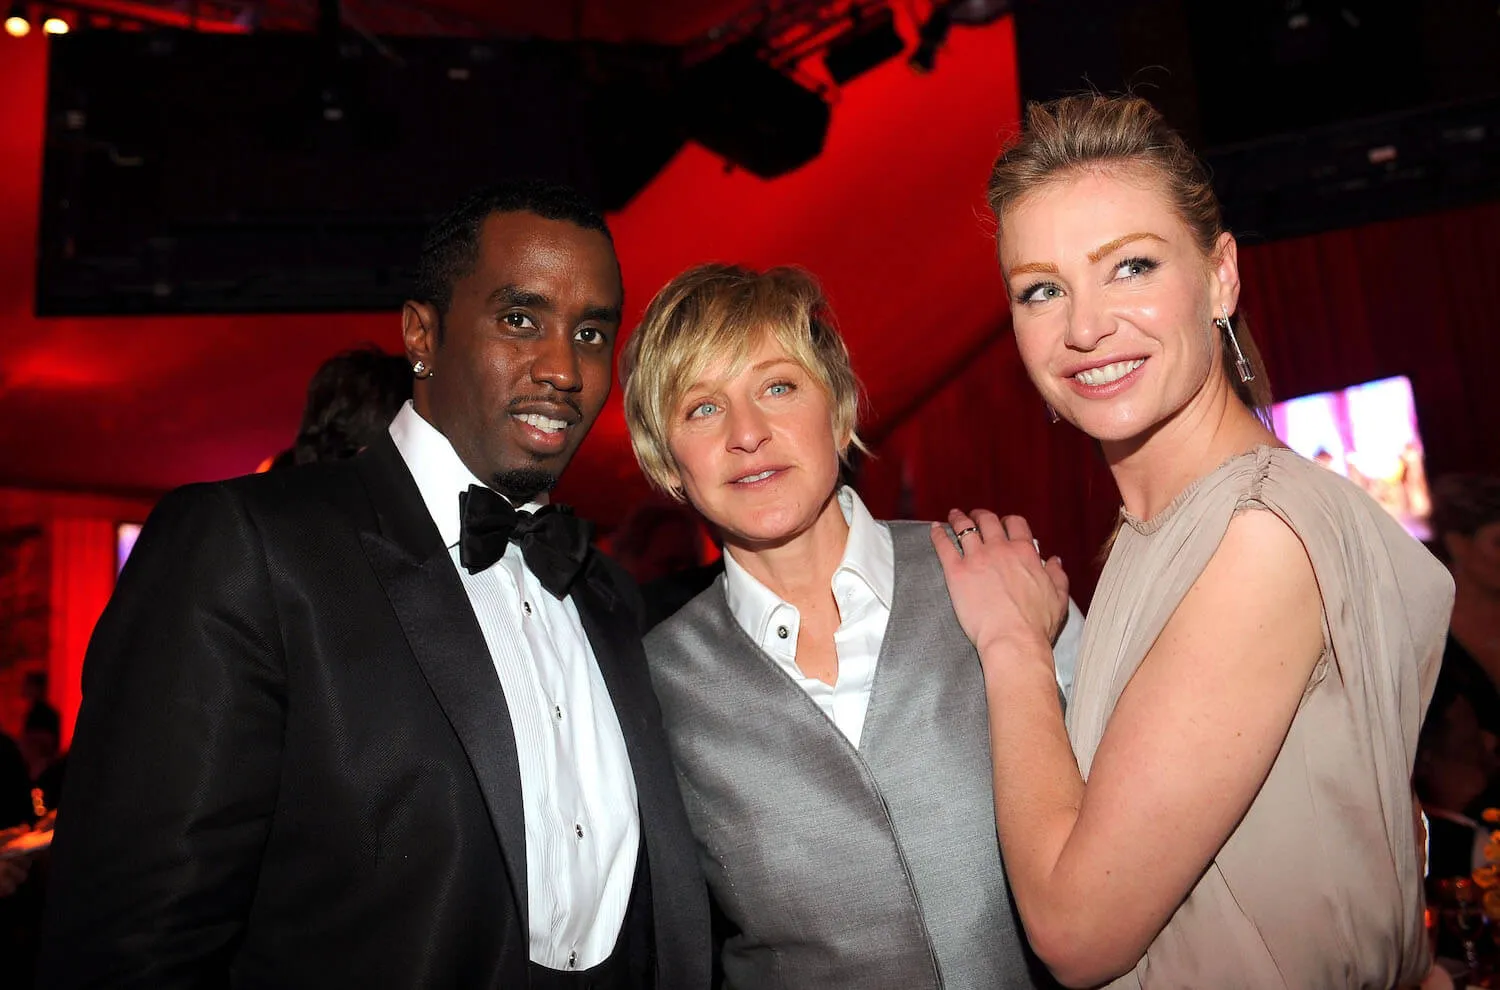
(615, 638)
(679, 899)
(418, 576)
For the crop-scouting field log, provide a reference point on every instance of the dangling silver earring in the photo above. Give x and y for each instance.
(1247, 374)
(1052, 416)
(421, 370)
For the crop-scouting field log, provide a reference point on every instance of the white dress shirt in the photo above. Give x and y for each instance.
(1065, 650)
(582, 829)
(862, 588)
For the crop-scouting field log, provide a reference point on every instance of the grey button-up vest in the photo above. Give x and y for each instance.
(843, 868)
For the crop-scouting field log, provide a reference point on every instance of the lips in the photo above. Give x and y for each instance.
(538, 413)
(1105, 378)
(756, 477)
(545, 427)
(1108, 373)
(544, 423)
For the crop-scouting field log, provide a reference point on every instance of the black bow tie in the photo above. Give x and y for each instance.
(553, 541)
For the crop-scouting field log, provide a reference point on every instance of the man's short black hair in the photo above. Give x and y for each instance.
(451, 249)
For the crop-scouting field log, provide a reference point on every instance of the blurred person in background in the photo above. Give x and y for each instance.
(20, 900)
(1456, 763)
(656, 539)
(351, 400)
(662, 544)
(41, 741)
(1459, 738)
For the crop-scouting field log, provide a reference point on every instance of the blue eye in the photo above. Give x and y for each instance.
(1132, 267)
(1040, 292)
(703, 409)
(781, 388)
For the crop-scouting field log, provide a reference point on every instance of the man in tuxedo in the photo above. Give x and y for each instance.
(362, 724)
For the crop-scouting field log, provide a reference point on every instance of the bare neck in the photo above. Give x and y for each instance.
(1153, 469)
(800, 569)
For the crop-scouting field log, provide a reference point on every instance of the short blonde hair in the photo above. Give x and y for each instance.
(713, 312)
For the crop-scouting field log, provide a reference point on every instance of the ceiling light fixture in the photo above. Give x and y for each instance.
(17, 24)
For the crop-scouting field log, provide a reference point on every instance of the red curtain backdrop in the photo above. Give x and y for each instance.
(83, 576)
(1415, 297)
(78, 540)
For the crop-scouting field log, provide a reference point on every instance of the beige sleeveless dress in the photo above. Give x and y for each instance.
(1320, 884)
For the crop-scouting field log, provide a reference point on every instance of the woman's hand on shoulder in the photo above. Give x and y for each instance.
(1002, 590)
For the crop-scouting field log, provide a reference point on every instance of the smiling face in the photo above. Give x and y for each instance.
(754, 448)
(1113, 300)
(522, 361)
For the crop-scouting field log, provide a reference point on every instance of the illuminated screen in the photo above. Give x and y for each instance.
(1367, 433)
(125, 534)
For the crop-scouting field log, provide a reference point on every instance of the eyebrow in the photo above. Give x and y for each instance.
(1119, 242)
(511, 295)
(1102, 251)
(703, 384)
(771, 363)
(604, 314)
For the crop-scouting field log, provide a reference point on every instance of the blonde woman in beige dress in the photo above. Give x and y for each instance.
(1227, 803)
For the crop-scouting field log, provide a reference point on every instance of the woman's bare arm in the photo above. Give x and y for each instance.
(1098, 870)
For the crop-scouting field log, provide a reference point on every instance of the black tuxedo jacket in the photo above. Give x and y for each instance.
(294, 765)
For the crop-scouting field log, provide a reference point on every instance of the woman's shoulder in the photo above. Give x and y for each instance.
(1313, 499)
(1353, 541)
(1302, 492)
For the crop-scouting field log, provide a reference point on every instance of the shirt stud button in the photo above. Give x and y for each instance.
(782, 632)
(578, 829)
(557, 712)
(526, 607)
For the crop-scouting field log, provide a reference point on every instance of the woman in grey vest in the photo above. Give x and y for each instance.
(825, 710)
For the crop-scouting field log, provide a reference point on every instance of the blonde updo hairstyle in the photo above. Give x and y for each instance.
(720, 312)
(1090, 132)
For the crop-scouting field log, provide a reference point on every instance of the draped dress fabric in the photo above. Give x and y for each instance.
(1320, 883)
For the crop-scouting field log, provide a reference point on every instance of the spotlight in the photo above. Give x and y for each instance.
(55, 25)
(16, 24)
(871, 40)
(930, 37)
(753, 116)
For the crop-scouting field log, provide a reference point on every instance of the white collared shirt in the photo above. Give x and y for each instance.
(862, 587)
(582, 827)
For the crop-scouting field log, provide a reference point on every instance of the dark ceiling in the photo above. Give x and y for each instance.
(890, 216)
